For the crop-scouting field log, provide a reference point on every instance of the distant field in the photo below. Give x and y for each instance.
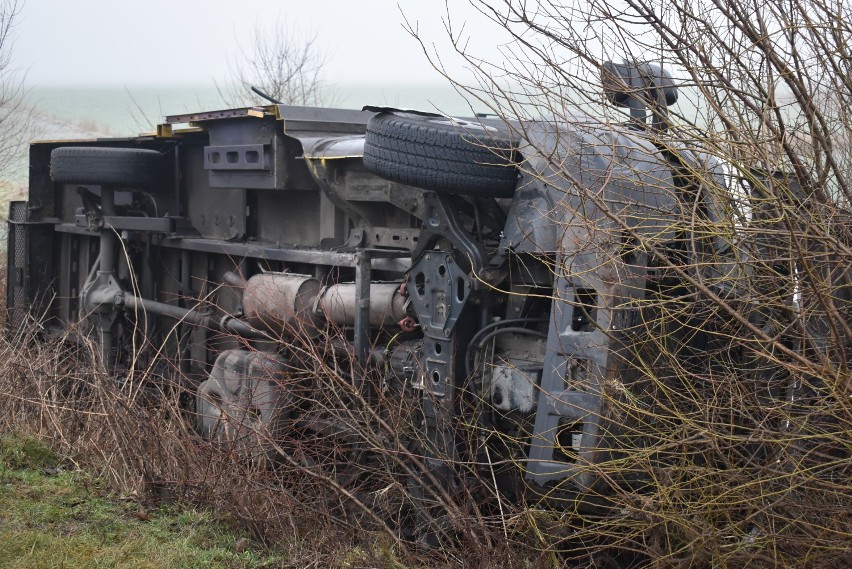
(127, 110)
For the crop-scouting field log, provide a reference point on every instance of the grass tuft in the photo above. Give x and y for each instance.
(66, 520)
(18, 453)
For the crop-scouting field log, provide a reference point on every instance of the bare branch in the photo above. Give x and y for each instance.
(283, 62)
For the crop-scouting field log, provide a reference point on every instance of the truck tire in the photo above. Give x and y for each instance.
(132, 167)
(441, 154)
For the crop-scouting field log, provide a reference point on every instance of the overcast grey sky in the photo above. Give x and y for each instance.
(87, 42)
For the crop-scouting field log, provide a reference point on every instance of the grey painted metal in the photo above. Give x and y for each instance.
(392, 261)
(635, 186)
(127, 223)
(318, 120)
(196, 317)
(439, 288)
(249, 153)
(333, 148)
(440, 221)
(363, 278)
(236, 157)
(606, 173)
(640, 86)
(243, 403)
(383, 259)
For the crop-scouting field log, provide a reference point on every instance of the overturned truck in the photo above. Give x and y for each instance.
(498, 274)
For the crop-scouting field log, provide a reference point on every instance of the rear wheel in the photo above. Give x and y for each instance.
(134, 167)
(441, 154)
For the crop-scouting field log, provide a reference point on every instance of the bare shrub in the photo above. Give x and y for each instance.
(729, 385)
(285, 63)
(138, 436)
(348, 475)
(15, 115)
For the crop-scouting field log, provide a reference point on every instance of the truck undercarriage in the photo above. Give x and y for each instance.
(446, 261)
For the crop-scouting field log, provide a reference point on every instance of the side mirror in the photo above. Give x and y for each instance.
(638, 86)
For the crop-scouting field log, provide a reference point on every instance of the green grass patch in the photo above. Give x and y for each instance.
(66, 520)
(17, 453)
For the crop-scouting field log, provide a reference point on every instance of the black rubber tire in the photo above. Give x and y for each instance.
(440, 154)
(132, 167)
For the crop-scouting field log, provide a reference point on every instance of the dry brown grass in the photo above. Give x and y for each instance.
(707, 477)
(141, 439)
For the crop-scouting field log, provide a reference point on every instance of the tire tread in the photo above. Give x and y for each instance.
(440, 157)
(113, 166)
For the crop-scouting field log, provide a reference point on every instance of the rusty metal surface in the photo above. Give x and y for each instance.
(339, 304)
(255, 112)
(281, 303)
